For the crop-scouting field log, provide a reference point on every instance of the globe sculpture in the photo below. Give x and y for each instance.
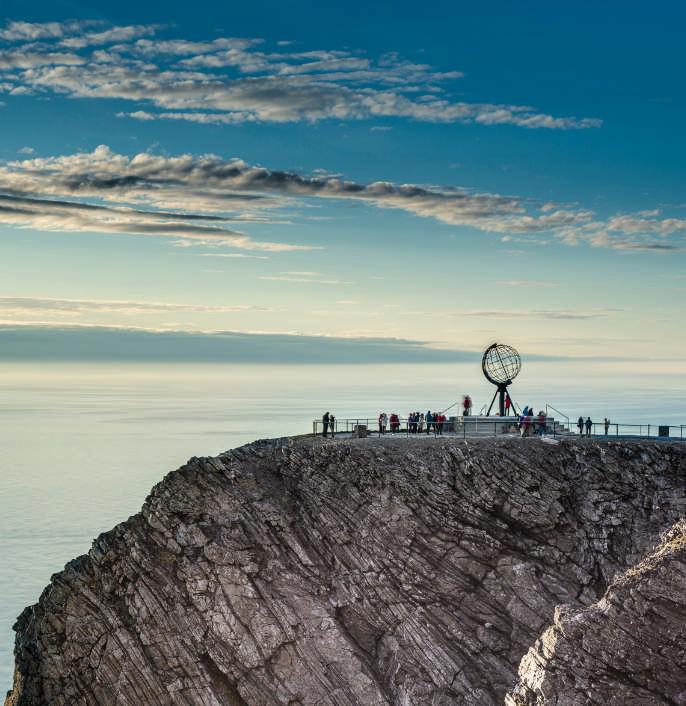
(501, 365)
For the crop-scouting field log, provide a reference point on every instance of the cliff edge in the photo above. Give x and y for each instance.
(369, 571)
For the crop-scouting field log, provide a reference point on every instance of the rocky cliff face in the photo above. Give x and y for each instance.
(626, 649)
(401, 571)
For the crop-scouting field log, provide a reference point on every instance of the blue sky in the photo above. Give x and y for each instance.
(451, 175)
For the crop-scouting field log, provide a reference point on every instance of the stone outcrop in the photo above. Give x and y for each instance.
(628, 649)
(366, 571)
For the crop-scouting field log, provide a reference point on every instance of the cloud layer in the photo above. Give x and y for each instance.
(100, 343)
(234, 80)
(200, 199)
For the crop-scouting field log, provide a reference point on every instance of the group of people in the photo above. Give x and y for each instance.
(417, 422)
(532, 423)
(328, 424)
(587, 424)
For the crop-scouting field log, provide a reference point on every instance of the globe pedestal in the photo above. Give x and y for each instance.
(501, 394)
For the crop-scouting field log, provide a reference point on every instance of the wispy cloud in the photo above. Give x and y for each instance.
(104, 191)
(303, 280)
(524, 283)
(31, 31)
(233, 255)
(30, 194)
(231, 80)
(555, 314)
(44, 306)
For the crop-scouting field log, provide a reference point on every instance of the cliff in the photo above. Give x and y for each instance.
(397, 571)
(628, 648)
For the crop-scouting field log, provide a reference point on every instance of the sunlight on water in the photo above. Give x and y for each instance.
(82, 445)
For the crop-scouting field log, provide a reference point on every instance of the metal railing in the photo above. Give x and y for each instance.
(557, 411)
(463, 426)
(470, 426)
(644, 431)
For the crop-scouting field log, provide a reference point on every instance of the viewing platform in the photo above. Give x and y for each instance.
(484, 426)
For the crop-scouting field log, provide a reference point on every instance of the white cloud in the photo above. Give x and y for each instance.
(41, 306)
(302, 280)
(105, 191)
(31, 31)
(233, 255)
(231, 80)
(555, 314)
(524, 283)
(108, 36)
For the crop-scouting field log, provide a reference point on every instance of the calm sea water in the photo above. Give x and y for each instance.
(81, 445)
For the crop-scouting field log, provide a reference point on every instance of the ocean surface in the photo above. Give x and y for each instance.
(82, 445)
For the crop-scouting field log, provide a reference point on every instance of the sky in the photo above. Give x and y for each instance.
(357, 182)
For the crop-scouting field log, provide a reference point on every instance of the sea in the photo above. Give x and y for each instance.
(81, 445)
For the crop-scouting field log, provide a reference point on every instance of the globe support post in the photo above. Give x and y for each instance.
(501, 393)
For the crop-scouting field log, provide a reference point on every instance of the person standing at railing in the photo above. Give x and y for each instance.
(580, 424)
(508, 404)
(607, 426)
(466, 406)
(541, 428)
(325, 424)
(525, 424)
(429, 421)
(383, 422)
(411, 423)
(332, 425)
(589, 425)
(420, 425)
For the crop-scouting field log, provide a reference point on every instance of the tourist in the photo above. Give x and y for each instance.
(466, 406)
(381, 425)
(525, 424)
(508, 404)
(429, 421)
(395, 422)
(412, 422)
(332, 423)
(589, 424)
(420, 428)
(325, 424)
(541, 430)
(580, 424)
(607, 426)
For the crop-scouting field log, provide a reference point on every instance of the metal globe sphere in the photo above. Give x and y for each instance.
(501, 364)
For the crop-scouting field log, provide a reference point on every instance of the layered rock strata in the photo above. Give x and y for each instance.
(366, 571)
(628, 649)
